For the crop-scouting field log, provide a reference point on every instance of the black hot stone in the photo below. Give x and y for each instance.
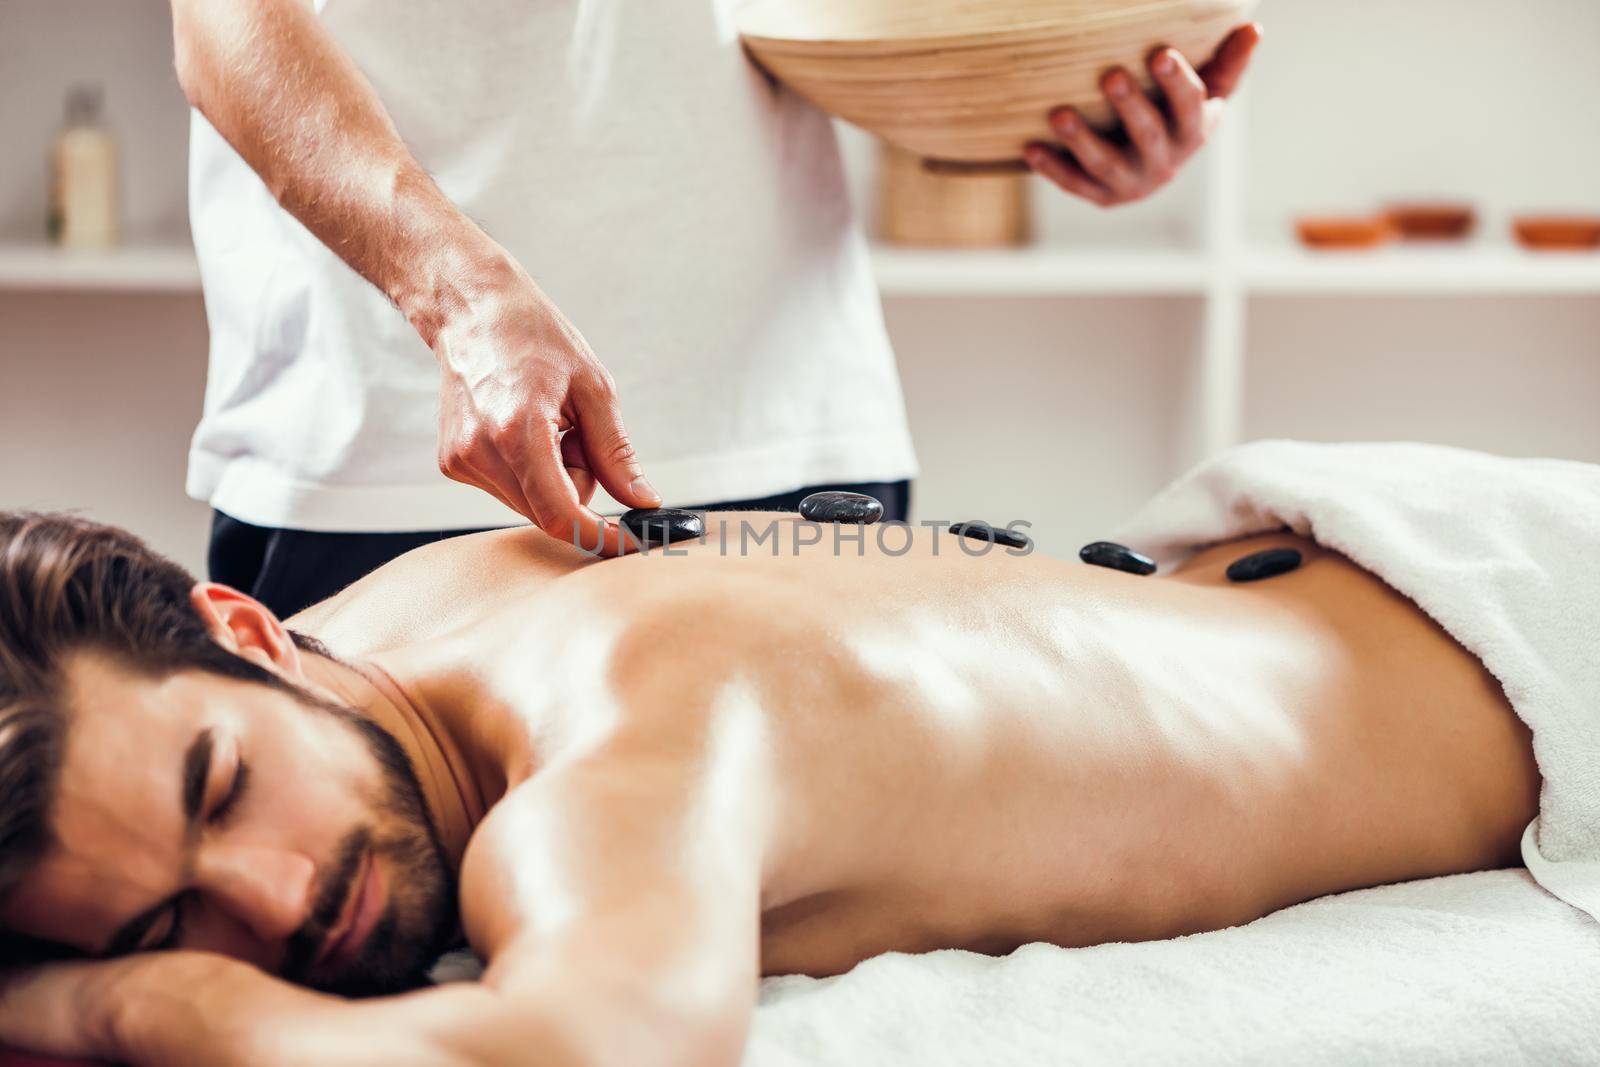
(982, 531)
(841, 507)
(663, 526)
(1117, 557)
(1264, 564)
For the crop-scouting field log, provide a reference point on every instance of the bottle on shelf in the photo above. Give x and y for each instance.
(84, 202)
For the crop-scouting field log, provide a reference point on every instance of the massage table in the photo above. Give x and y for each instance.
(1471, 969)
(1484, 968)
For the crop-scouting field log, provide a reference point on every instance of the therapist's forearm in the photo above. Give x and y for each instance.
(288, 98)
(516, 377)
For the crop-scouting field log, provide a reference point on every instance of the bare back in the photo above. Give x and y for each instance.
(981, 751)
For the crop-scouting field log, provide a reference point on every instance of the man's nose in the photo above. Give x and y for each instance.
(270, 890)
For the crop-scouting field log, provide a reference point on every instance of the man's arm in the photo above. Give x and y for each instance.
(625, 908)
(196, 1009)
(515, 373)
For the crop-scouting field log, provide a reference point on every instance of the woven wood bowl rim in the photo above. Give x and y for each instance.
(942, 42)
(1068, 23)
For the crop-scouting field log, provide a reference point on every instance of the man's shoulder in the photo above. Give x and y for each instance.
(437, 588)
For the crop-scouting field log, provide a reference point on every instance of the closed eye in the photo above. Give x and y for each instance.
(218, 817)
(241, 778)
(174, 933)
(136, 937)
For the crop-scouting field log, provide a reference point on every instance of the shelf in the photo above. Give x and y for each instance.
(1262, 269)
(900, 271)
(168, 267)
(1038, 271)
(1481, 267)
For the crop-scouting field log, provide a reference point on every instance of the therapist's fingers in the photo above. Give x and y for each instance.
(606, 445)
(496, 479)
(501, 479)
(1186, 97)
(583, 527)
(577, 465)
(1147, 128)
(467, 454)
(1225, 69)
(557, 509)
(1056, 167)
(486, 468)
(1103, 161)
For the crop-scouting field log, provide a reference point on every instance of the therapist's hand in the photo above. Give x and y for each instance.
(1159, 139)
(528, 414)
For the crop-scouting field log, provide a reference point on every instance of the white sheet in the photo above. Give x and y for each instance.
(1472, 969)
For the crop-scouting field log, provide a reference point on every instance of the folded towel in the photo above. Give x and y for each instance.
(1504, 554)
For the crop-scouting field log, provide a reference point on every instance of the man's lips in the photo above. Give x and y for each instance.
(360, 914)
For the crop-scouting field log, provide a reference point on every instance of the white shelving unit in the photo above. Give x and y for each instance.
(1483, 267)
(167, 266)
(1231, 267)
(1039, 271)
(1260, 268)
(1226, 269)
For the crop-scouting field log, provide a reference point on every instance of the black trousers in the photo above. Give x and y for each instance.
(288, 570)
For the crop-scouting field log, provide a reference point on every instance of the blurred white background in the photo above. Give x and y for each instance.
(1062, 385)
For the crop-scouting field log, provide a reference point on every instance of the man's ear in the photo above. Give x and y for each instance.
(246, 627)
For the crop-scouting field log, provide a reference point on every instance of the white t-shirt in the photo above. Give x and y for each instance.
(690, 219)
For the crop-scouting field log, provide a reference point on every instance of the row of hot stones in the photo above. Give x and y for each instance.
(665, 526)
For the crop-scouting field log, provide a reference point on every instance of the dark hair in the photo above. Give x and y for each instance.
(69, 585)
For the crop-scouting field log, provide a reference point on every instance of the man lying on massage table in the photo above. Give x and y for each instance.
(636, 785)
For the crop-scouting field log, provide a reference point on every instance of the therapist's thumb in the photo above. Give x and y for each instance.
(606, 445)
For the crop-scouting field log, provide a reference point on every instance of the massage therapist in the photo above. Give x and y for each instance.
(568, 202)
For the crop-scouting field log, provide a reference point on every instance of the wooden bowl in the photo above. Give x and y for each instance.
(1558, 232)
(917, 207)
(971, 81)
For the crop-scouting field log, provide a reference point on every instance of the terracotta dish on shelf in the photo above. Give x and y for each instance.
(971, 81)
(1425, 220)
(1357, 231)
(1558, 232)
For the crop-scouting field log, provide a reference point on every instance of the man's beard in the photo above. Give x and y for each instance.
(420, 921)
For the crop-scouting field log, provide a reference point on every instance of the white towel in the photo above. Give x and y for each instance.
(1472, 969)
(1480, 968)
(1502, 553)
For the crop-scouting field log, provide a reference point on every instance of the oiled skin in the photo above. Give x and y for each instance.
(971, 752)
